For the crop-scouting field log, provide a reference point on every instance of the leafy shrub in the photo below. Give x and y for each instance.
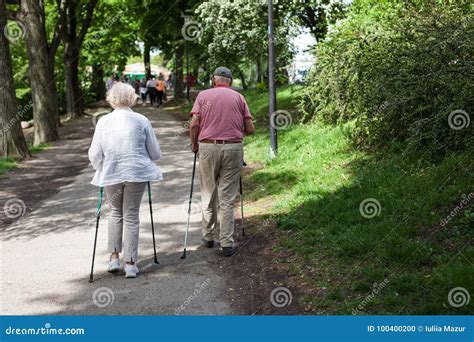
(261, 87)
(398, 69)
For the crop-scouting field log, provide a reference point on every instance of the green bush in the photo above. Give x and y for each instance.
(261, 87)
(398, 69)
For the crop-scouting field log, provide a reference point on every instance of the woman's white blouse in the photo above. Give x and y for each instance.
(123, 149)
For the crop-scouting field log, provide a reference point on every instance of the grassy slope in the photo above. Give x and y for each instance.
(7, 164)
(315, 187)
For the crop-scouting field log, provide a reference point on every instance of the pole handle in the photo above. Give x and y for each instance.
(99, 203)
(149, 192)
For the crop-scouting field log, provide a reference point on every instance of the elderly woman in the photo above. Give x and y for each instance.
(122, 153)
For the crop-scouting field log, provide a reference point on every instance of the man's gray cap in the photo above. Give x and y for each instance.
(223, 71)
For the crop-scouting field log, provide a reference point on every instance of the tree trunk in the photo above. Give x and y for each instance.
(146, 60)
(71, 62)
(179, 52)
(242, 79)
(72, 41)
(12, 140)
(98, 84)
(178, 79)
(41, 73)
(73, 89)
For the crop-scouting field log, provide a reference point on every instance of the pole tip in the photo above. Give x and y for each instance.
(91, 279)
(184, 254)
(156, 261)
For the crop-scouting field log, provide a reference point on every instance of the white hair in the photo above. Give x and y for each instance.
(222, 79)
(121, 95)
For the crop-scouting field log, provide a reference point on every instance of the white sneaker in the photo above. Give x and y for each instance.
(114, 265)
(131, 271)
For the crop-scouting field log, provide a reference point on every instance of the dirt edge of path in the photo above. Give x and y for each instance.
(41, 176)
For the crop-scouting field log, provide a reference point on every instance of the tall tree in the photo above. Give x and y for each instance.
(41, 55)
(12, 140)
(244, 25)
(72, 38)
(110, 40)
(317, 15)
(180, 49)
(178, 71)
(146, 59)
(162, 23)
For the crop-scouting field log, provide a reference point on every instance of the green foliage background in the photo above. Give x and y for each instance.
(398, 69)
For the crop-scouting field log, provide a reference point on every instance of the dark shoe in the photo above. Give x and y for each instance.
(208, 244)
(228, 251)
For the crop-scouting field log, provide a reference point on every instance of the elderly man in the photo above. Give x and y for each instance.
(220, 118)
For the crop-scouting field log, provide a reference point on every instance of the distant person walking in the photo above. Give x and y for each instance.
(190, 81)
(169, 82)
(220, 118)
(160, 89)
(143, 90)
(122, 152)
(136, 86)
(152, 92)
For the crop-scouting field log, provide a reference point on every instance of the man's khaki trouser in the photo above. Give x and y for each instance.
(219, 167)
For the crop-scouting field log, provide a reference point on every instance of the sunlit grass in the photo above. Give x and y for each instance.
(315, 187)
(6, 164)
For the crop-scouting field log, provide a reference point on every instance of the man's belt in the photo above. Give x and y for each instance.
(221, 142)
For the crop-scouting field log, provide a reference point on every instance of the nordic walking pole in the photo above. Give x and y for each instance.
(152, 225)
(242, 205)
(244, 164)
(97, 214)
(189, 208)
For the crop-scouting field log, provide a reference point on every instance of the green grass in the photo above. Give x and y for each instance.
(36, 149)
(7, 164)
(315, 187)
